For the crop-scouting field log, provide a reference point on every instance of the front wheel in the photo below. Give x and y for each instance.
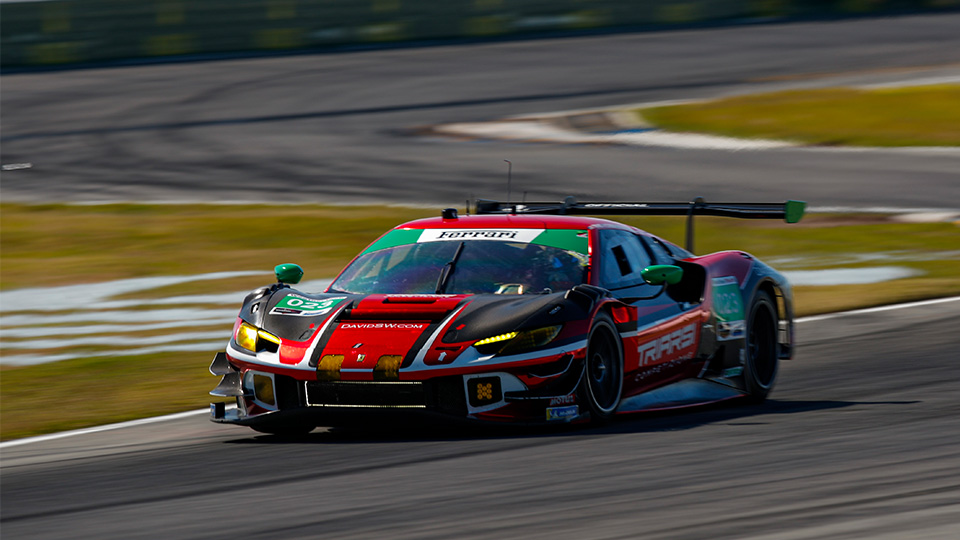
(603, 370)
(762, 352)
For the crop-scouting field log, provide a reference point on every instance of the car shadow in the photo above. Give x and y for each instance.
(732, 412)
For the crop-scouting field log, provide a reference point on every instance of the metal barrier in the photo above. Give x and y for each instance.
(57, 32)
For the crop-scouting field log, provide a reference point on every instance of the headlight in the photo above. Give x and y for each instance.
(513, 342)
(496, 339)
(253, 339)
(247, 337)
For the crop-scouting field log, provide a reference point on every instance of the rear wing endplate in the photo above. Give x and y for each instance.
(789, 211)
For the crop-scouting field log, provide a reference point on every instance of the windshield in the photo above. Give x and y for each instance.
(488, 265)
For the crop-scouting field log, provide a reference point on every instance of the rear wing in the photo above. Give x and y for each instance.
(789, 211)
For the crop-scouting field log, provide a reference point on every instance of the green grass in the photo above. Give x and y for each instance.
(909, 116)
(71, 394)
(59, 245)
(48, 245)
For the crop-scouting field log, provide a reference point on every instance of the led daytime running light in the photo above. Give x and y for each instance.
(496, 339)
(530, 339)
(514, 342)
(268, 336)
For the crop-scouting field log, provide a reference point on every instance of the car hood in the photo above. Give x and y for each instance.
(364, 328)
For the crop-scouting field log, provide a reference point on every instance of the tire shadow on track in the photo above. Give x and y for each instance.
(643, 422)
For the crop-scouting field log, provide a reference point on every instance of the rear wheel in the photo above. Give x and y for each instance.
(762, 352)
(603, 370)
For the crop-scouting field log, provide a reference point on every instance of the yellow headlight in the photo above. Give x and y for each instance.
(496, 339)
(247, 337)
(253, 339)
(513, 342)
(529, 339)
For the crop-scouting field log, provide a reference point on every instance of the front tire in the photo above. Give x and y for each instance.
(603, 370)
(762, 348)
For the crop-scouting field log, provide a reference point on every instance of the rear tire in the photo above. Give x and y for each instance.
(762, 348)
(602, 381)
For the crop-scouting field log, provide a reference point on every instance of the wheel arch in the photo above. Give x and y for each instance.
(783, 303)
(605, 312)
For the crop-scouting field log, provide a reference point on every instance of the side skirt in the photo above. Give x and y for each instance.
(679, 394)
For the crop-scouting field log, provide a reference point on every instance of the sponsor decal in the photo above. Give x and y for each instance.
(510, 235)
(731, 330)
(615, 205)
(563, 400)
(673, 346)
(570, 240)
(382, 326)
(656, 370)
(422, 296)
(728, 308)
(562, 413)
(732, 372)
(302, 306)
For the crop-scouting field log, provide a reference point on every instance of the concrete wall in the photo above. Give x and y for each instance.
(57, 32)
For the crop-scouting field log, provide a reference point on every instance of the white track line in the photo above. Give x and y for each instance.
(108, 427)
(876, 309)
(198, 412)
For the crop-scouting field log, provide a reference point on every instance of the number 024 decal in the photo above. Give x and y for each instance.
(301, 306)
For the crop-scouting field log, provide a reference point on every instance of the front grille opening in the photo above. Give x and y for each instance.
(366, 394)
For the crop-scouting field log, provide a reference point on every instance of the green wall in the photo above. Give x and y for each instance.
(35, 33)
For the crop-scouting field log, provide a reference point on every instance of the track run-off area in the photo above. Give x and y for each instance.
(861, 436)
(859, 440)
(348, 128)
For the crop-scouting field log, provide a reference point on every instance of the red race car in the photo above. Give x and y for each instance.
(522, 312)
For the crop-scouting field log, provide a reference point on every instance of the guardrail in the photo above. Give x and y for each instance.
(58, 32)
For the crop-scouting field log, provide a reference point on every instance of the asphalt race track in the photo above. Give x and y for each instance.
(860, 439)
(336, 127)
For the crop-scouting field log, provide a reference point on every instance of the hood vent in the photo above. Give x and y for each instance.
(382, 307)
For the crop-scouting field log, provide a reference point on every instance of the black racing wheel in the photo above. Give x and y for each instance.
(762, 347)
(603, 370)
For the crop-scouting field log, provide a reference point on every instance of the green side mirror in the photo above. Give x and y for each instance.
(288, 273)
(659, 274)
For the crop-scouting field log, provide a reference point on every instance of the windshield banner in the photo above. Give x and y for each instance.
(504, 235)
(566, 239)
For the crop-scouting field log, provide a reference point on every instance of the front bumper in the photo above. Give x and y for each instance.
(263, 398)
